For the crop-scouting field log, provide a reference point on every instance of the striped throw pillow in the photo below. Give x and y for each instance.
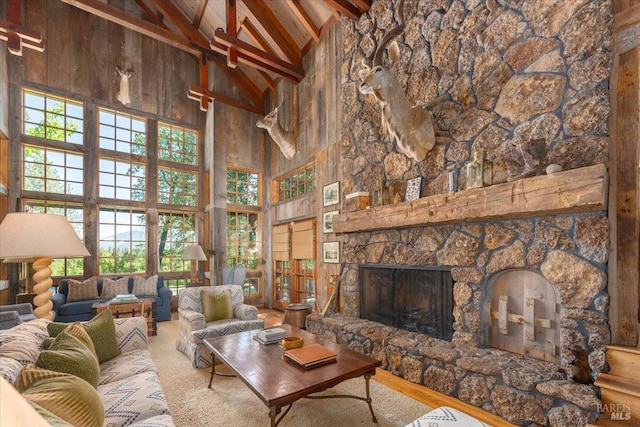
(64, 395)
(81, 291)
(142, 286)
(111, 288)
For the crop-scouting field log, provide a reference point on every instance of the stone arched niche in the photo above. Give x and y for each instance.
(521, 315)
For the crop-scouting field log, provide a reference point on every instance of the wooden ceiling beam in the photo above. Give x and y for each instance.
(304, 19)
(363, 5)
(272, 30)
(197, 93)
(15, 34)
(112, 14)
(261, 60)
(197, 18)
(232, 30)
(175, 15)
(142, 5)
(344, 8)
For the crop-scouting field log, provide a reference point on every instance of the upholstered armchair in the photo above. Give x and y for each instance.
(193, 328)
(12, 315)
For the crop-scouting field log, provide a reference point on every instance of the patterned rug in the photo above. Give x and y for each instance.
(231, 403)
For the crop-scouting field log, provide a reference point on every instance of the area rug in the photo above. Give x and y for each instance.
(230, 402)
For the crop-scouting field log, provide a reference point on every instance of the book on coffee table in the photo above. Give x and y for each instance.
(311, 355)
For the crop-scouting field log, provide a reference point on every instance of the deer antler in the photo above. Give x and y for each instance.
(377, 57)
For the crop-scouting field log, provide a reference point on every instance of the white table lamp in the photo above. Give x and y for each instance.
(194, 253)
(39, 236)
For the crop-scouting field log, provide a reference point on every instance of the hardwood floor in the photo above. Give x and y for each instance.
(420, 393)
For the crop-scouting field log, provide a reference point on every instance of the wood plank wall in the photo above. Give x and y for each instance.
(4, 78)
(624, 171)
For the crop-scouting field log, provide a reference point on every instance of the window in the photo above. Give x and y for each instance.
(134, 190)
(177, 187)
(175, 231)
(51, 117)
(300, 181)
(74, 213)
(122, 180)
(243, 228)
(242, 187)
(122, 132)
(177, 144)
(51, 171)
(123, 241)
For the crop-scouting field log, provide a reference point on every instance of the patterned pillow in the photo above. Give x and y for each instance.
(69, 355)
(216, 307)
(79, 332)
(142, 286)
(67, 396)
(111, 288)
(52, 419)
(81, 291)
(102, 331)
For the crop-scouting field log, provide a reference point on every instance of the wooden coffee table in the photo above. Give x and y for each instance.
(278, 382)
(145, 307)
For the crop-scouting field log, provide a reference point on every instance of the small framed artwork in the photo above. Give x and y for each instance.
(327, 221)
(331, 194)
(331, 252)
(414, 186)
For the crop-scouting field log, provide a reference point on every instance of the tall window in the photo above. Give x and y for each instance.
(74, 214)
(133, 192)
(123, 241)
(244, 227)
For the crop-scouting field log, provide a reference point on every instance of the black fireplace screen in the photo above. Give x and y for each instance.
(416, 300)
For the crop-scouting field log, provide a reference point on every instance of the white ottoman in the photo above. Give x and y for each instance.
(446, 417)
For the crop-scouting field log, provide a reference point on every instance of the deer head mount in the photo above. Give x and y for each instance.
(284, 139)
(123, 92)
(412, 128)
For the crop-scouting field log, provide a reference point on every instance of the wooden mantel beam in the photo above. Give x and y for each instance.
(572, 191)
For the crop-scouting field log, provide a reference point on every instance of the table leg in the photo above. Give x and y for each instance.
(213, 368)
(367, 377)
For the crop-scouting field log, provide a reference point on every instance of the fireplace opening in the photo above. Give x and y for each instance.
(414, 299)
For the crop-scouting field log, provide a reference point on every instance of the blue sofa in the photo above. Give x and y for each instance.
(81, 310)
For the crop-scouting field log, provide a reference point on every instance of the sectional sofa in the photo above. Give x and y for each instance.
(72, 309)
(128, 390)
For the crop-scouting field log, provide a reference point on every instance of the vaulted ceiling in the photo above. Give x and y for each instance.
(254, 42)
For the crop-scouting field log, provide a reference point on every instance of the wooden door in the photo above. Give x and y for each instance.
(624, 174)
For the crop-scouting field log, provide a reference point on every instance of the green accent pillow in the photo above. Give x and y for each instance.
(78, 331)
(216, 307)
(52, 419)
(68, 354)
(102, 331)
(64, 395)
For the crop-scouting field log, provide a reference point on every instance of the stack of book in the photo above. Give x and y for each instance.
(270, 336)
(124, 299)
(311, 356)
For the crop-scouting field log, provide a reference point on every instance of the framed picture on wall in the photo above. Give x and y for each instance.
(327, 221)
(331, 252)
(414, 185)
(331, 194)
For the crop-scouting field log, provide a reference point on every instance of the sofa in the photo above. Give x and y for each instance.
(14, 314)
(193, 327)
(67, 310)
(128, 390)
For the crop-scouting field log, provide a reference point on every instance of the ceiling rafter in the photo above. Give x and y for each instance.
(16, 35)
(272, 30)
(197, 18)
(363, 5)
(175, 15)
(232, 30)
(142, 5)
(304, 19)
(344, 8)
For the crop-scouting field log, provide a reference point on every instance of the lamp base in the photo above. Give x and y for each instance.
(42, 286)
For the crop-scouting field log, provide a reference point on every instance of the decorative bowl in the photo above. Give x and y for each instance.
(292, 342)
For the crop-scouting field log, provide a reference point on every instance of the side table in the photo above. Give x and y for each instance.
(145, 307)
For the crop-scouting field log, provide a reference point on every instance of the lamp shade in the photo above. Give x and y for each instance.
(194, 253)
(32, 235)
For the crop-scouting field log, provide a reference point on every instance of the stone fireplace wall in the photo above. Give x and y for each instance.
(494, 74)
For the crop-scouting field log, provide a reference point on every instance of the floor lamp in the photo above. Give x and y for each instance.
(194, 253)
(41, 237)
